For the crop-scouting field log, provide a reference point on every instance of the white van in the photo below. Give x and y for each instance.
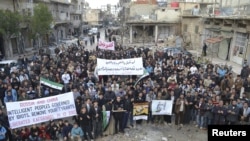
(13, 65)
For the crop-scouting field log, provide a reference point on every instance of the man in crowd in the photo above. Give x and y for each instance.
(196, 92)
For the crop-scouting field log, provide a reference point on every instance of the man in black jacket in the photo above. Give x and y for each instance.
(109, 95)
(128, 105)
(97, 119)
(118, 114)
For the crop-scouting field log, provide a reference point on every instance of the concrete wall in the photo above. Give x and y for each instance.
(191, 34)
(164, 14)
(92, 16)
(187, 6)
(6, 4)
(141, 9)
(60, 12)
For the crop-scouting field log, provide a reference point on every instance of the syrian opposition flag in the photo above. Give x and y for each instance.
(106, 118)
(51, 84)
(145, 74)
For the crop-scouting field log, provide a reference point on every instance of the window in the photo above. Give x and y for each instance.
(185, 27)
(67, 14)
(240, 44)
(196, 30)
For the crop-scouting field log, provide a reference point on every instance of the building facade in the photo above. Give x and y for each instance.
(67, 20)
(92, 16)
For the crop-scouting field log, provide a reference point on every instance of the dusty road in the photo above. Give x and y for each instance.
(151, 132)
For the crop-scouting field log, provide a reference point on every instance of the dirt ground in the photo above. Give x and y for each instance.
(151, 132)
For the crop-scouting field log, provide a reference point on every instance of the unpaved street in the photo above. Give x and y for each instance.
(151, 132)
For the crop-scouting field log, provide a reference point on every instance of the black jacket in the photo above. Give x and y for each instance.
(96, 111)
(84, 120)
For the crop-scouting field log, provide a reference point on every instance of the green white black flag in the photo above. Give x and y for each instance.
(51, 84)
(145, 74)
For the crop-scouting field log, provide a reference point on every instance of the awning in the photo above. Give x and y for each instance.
(215, 40)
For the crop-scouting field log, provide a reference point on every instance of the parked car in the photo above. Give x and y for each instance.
(177, 50)
(93, 31)
(12, 63)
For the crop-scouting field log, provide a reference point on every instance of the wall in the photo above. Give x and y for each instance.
(192, 23)
(6, 4)
(141, 9)
(60, 12)
(145, 1)
(92, 16)
(75, 20)
(186, 6)
(167, 14)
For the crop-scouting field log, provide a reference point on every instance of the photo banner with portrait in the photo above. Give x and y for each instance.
(140, 111)
(162, 107)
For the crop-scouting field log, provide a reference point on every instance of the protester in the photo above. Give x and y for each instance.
(76, 133)
(3, 131)
(201, 95)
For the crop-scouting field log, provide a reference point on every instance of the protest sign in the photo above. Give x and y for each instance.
(25, 113)
(133, 66)
(162, 107)
(51, 84)
(106, 45)
(140, 111)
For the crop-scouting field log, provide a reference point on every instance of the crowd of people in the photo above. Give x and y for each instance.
(200, 94)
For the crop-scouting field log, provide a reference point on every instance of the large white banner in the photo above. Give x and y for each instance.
(133, 66)
(162, 107)
(24, 113)
(106, 45)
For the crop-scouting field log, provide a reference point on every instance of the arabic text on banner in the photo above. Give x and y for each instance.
(133, 66)
(162, 107)
(106, 45)
(140, 111)
(25, 113)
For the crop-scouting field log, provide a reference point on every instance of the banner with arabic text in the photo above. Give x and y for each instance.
(133, 66)
(106, 45)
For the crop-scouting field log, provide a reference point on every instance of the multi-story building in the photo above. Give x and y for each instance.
(152, 22)
(224, 27)
(92, 16)
(67, 20)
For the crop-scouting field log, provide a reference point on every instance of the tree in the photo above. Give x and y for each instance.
(9, 26)
(40, 22)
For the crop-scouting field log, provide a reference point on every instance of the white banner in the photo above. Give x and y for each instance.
(24, 113)
(133, 66)
(106, 45)
(162, 107)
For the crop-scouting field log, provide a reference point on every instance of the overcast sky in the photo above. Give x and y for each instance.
(99, 3)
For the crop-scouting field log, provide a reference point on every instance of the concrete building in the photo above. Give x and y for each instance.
(67, 15)
(224, 31)
(76, 18)
(152, 22)
(92, 17)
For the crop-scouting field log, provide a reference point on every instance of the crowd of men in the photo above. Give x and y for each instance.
(200, 95)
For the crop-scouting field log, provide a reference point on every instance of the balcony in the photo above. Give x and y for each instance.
(61, 17)
(75, 10)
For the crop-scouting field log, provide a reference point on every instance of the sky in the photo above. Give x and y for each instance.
(99, 3)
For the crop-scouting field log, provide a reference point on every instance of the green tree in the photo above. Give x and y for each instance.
(9, 26)
(40, 22)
